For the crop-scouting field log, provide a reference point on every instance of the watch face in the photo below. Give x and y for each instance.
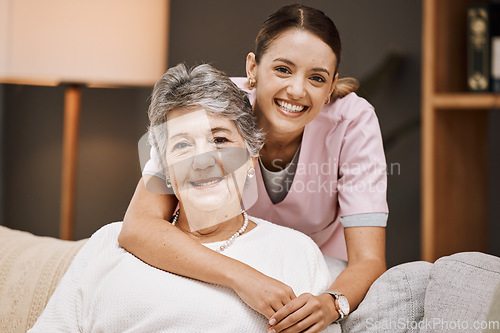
(343, 305)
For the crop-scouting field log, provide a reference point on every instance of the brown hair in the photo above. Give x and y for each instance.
(309, 19)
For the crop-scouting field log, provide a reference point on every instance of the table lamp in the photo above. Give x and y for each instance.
(92, 43)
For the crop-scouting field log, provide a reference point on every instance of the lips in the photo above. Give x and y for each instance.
(288, 107)
(206, 183)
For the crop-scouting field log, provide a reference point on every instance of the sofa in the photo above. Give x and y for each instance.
(456, 293)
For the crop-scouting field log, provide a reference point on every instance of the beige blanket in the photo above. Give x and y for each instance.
(30, 269)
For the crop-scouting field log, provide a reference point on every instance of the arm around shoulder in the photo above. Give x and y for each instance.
(147, 234)
(146, 217)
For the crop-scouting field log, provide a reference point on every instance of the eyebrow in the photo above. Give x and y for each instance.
(221, 129)
(315, 69)
(213, 130)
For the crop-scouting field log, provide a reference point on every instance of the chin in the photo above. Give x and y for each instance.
(208, 201)
(209, 205)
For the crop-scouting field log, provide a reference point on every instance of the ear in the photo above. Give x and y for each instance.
(251, 66)
(332, 88)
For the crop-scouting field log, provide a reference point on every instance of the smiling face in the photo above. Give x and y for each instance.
(295, 76)
(207, 161)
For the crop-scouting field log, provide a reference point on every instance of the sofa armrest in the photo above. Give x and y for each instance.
(30, 269)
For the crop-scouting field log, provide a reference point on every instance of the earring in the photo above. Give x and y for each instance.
(169, 184)
(251, 173)
(251, 83)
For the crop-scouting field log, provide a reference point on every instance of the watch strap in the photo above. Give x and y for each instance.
(336, 295)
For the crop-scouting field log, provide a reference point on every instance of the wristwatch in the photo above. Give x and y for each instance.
(341, 304)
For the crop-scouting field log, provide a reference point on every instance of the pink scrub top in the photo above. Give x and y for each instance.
(341, 172)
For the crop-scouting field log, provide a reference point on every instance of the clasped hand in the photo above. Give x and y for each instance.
(306, 313)
(286, 312)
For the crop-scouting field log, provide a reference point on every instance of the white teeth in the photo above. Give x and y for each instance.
(290, 107)
(207, 183)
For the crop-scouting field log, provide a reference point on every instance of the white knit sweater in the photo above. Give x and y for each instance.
(106, 289)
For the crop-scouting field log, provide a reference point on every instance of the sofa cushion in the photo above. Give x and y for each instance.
(394, 302)
(493, 317)
(460, 291)
(30, 269)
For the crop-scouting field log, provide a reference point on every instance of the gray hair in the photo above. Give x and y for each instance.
(205, 87)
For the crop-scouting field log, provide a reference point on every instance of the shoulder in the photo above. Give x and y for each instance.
(350, 107)
(347, 114)
(286, 234)
(105, 237)
(108, 230)
(242, 83)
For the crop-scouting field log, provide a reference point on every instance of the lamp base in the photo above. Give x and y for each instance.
(72, 99)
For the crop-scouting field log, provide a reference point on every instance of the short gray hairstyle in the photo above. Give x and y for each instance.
(205, 87)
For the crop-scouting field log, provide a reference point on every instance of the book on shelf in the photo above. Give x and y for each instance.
(495, 46)
(483, 46)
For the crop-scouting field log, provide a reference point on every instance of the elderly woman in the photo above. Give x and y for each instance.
(203, 128)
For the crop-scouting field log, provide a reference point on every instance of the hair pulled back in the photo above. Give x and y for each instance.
(297, 16)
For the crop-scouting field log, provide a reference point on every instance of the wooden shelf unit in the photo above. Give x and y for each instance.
(454, 137)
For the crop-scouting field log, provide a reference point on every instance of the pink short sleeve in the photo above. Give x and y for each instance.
(362, 184)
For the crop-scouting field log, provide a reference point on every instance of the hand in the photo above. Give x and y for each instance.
(306, 313)
(262, 293)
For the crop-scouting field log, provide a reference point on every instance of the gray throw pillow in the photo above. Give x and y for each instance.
(460, 292)
(394, 303)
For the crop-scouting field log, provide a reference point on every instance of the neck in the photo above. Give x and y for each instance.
(275, 136)
(280, 147)
(279, 141)
(210, 226)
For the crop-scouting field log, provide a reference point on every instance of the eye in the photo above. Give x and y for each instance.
(318, 78)
(180, 145)
(282, 70)
(220, 140)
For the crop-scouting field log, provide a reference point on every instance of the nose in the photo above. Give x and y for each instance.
(296, 88)
(204, 159)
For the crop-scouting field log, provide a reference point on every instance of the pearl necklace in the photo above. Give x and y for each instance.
(230, 241)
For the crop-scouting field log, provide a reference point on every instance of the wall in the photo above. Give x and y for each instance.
(112, 121)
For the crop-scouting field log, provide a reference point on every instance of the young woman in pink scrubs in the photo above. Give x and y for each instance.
(321, 171)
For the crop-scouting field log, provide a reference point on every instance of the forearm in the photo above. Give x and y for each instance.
(366, 262)
(357, 278)
(147, 235)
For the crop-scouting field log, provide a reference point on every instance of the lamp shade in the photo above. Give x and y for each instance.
(92, 42)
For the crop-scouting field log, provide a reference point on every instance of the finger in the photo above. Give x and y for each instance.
(279, 304)
(288, 296)
(268, 312)
(300, 326)
(276, 306)
(314, 329)
(290, 312)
